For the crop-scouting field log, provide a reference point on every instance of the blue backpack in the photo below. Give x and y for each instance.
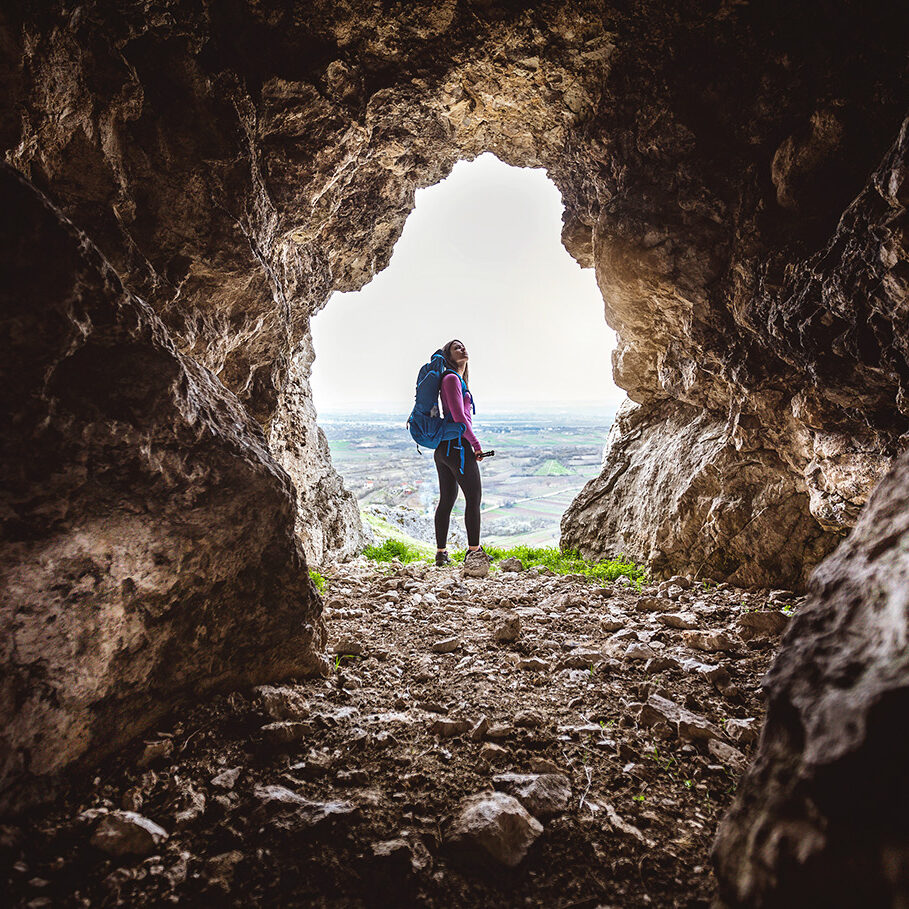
(426, 424)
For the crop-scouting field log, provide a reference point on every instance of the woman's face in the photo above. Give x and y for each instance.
(457, 353)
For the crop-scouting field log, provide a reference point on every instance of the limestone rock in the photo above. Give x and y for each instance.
(687, 492)
(544, 795)
(709, 641)
(122, 833)
(511, 564)
(494, 825)
(756, 624)
(685, 723)
(448, 728)
(283, 702)
(507, 628)
(285, 810)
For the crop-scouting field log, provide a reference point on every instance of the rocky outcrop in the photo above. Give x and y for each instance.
(328, 517)
(149, 552)
(820, 816)
(806, 401)
(678, 482)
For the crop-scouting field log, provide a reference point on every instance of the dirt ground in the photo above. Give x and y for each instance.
(627, 714)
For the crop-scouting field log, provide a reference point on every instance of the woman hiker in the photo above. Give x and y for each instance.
(457, 466)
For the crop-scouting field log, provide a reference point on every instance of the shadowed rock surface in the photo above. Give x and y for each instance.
(149, 553)
(820, 816)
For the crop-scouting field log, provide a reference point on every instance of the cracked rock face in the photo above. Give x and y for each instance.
(149, 552)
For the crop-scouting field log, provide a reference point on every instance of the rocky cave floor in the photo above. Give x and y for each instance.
(621, 719)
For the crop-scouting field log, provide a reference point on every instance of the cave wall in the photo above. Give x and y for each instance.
(734, 173)
(237, 163)
(149, 550)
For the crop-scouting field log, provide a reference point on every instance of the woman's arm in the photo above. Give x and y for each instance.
(453, 402)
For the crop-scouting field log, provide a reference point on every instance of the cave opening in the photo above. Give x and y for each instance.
(480, 258)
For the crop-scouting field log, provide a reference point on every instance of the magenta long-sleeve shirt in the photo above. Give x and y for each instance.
(457, 407)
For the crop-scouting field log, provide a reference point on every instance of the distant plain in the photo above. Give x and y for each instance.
(542, 461)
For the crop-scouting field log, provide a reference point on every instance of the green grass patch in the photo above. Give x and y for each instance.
(318, 580)
(552, 468)
(385, 530)
(566, 561)
(394, 549)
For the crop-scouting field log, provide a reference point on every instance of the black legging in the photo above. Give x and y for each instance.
(448, 465)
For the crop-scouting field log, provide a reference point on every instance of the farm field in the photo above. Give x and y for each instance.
(541, 464)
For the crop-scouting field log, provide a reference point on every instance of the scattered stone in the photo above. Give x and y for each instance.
(479, 730)
(686, 724)
(661, 664)
(533, 664)
(507, 628)
(684, 621)
(285, 733)
(448, 728)
(499, 731)
(286, 810)
(726, 754)
(761, 624)
(542, 765)
(529, 719)
(447, 645)
(317, 764)
(155, 752)
(611, 623)
(511, 564)
(355, 777)
(219, 869)
(653, 604)
(127, 833)
(494, 825)
(283, 702)
(639, 651)
(709, 641)
(185, 803)
(475, 566)
(743, 731)
(581, 659)
(227, 779)
(348, 647)
(544, 795)
(494, 754)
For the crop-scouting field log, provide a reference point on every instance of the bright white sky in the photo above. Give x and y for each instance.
(480, 259)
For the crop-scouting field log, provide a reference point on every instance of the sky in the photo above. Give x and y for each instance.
(480, 259)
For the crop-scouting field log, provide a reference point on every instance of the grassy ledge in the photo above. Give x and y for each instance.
(558, 561)
(318, 580)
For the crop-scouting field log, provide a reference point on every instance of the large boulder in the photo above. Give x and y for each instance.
(149, 552)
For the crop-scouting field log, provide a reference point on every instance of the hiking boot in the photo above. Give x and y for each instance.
(476, 563)
(442, 559)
